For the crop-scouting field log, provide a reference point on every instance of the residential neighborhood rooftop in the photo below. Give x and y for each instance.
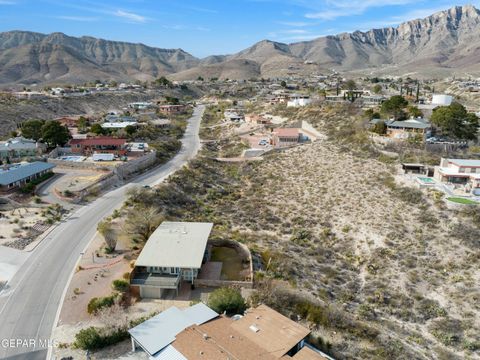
(176, 244)
(287, 132)
(17, 172)
(465, 162)
(156, 333)
(274, 332)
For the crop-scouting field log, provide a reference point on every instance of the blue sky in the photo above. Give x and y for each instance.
(207, 27)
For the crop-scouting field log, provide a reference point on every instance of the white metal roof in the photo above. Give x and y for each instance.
(169, 353)
(465, 162)
(156, 333)
(176, 244)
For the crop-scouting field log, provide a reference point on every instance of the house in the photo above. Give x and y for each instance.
(404, 129)
(101, 144)
(17, 175)
(114, 121)
(373, 100)
(233, 116)
(161, 123)
(283, 137)
(30, 95)
(174, 252)
(172, 109)
(257, 119)
(155, 334)
(441, 99)
(140, 105)
(297, 100)
(459, 172)
(198, 333)
(19, 147)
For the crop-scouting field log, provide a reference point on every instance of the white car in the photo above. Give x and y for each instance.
(263, 142)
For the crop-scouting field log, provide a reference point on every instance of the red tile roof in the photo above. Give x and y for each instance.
(287, 132)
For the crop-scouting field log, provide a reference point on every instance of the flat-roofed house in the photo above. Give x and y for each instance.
(172, 109)
(101, 144)
(174, 252)
(459, 171)
(16, 175)
(405, 129)
(283, 137)
(19, 147)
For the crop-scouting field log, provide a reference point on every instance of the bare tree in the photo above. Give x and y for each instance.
(108, 233)
(142, 221)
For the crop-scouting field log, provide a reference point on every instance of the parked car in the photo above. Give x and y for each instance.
(263, 142)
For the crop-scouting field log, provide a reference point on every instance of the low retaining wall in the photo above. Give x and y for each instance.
(85, 165)
(133, 166)
(223, 283)
(244, 252)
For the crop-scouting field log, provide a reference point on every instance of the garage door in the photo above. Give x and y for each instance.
(150, 292)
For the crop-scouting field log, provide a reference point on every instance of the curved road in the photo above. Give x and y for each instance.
(28, 311)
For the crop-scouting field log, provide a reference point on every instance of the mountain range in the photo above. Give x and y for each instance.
(444, 43)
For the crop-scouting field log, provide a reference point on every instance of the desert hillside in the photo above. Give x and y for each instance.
(379, 268)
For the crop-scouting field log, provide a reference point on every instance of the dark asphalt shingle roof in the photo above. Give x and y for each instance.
(18, 172)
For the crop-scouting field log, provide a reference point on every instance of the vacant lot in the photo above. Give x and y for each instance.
(381, 270)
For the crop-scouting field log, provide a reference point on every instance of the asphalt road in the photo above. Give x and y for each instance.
(29, 309)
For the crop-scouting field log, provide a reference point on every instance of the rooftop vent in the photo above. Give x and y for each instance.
(254, 328)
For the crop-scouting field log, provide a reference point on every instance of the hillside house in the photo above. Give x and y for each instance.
(17, 175)
(299, 133)
(404, 129)
(198, 333)
(257, 119)
(19, 147)
(68, 121)
(459, 172)
(172, 109)
(101, 144)
(284, 137)
(298, 100)
(174, 252)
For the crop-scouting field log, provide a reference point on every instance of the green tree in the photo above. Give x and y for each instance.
(54, 133)
(370, 114)
(380, 127)
(456, 122)
(172, 100)
(130, 130)
(97, 129)
(395, 107)
(32, 129)
(227, 300)
(283, 84)
(163, 81)
(414, 111)
(350, 85)
(82, 124)
(377, 89)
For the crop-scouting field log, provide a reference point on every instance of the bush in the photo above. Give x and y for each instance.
(227, 300)
(88, 339)
(120, 285)
(94, 338)
(96, 304)
(30, 187)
